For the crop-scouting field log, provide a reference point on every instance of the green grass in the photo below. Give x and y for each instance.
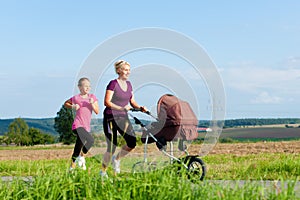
(230, 167)
(264, 166)
(51, 180)
(163, 184)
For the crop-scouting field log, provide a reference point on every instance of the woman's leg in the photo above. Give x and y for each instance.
(110, 132)
(126, 130)
(124, 151)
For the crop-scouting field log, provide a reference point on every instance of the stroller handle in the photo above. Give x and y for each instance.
(139, 110)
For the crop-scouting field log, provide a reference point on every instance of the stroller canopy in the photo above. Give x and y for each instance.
(174, 111)
(176, 119)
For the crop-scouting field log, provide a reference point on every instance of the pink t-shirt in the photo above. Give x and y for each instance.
(84, 113)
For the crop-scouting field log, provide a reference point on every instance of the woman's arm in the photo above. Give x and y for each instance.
(134, 104)
(108, 103)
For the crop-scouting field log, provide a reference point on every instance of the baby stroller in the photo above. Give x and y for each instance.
(176, 121)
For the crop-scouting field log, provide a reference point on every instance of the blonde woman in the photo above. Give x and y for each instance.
(118, 100)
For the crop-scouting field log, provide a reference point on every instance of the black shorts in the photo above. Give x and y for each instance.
(114, 124)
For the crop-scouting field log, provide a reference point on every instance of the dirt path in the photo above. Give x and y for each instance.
(292, 147)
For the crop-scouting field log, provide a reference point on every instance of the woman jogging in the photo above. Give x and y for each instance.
(118, 96)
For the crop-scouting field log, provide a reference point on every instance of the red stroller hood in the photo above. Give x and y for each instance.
(175, 119)
(174, 111)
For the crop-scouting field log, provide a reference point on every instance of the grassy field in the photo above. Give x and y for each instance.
(262, 132)
(50, 179)
(259, 133)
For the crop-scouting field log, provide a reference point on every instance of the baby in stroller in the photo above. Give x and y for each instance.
(175, 120)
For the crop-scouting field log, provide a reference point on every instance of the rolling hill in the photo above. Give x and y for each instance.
(46, 125)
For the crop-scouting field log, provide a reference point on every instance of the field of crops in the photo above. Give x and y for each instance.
(259, 133)
(42, 173)
(262, 132)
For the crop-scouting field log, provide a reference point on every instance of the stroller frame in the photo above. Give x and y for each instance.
(192, 163)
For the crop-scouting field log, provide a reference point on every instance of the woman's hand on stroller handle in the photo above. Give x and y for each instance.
(140, 109)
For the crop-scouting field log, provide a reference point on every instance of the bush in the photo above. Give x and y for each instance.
(227, 140)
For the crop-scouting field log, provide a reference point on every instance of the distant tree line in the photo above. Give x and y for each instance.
(260, 122)
(20, 134)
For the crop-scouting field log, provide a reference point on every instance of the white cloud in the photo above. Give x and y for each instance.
(293, 62)
(255, 79)
(266, 98)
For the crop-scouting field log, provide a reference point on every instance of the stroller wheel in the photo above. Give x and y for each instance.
(196, 168)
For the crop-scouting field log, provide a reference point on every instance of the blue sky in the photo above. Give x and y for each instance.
(255, 46)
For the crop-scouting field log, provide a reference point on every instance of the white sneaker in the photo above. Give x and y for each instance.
(80, 160)
(103, 174)
(116, 164)
(72, 167)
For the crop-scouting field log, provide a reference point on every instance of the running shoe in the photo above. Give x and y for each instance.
(80, 160)
(103, 174)
(116, 164)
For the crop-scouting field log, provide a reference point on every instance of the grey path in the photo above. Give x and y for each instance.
(11, 178)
